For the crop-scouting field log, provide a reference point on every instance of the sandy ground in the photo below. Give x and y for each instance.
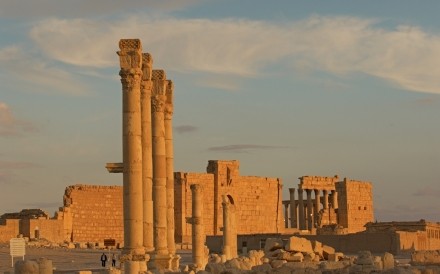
(67, 260)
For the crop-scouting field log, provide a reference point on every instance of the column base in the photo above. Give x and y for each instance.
(164, 262)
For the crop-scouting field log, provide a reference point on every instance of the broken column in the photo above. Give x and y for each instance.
(130, 56)
(229, 235)
(147, 159)
(198, 233)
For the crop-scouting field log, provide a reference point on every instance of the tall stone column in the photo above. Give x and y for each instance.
(334, 199)
(158, 101)
(293, 217)
(198, 233)
(325, 205)
(170, 166)
(309, 209)
(130, 56)
(147, 157)
(286, 214)
(316, 207)
(302, 223)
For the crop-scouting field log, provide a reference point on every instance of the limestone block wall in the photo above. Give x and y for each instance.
(9, 228)
(257, 200)
(49, 229)
(355, 200)
(96, 213)
(183, 203)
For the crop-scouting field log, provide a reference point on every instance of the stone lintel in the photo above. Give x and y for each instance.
(115, 167)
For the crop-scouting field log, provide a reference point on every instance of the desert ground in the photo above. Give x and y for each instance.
(67, 260)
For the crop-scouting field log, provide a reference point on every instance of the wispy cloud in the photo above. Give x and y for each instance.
(405, 212)
(185, 129)
(427, 191)
(17, 165)
(8, 174)
(67, 9)
(244, 148)
(406, 56)
(10, 125)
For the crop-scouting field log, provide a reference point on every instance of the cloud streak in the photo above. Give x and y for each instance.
(243, 148)
(11, 126)
(185, 129)
(404, 56)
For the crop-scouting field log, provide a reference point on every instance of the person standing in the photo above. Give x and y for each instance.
(113, 259)
(103, 259)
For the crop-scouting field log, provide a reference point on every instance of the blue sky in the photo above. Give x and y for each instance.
(289, 88)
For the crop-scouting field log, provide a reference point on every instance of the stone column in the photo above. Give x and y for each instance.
(159, 163)
(325, 203)
(198, 232)
(293, 216)
(229, 235)
(147, 157)
(316, 207)
(334, 199)
(170, 166)
(301, 219)
(286, 213)
(309, 209)
(130, 56)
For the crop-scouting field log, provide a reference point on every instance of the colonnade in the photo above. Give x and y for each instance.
(148, 175)
(304, 214)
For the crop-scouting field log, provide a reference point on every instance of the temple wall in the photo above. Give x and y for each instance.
(257, 200)
(49, 229)
(9, 228)
(96, 213)
(355, 200)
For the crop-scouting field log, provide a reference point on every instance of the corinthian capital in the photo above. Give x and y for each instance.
(158, 103)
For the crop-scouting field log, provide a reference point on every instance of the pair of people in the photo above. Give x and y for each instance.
(104, 259)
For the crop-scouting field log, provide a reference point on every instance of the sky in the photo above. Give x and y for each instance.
(288, 88)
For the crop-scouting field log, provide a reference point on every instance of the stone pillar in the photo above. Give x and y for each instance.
(325, 203)
(316, 208)
(229, 235)
(130, 56)
(286, 214)
(159, 162)
(161, 259)
(170, 166)
(199, 255)
(301, 219)
(309, 209)
(147, 157)
(293, 217)
(334, 199)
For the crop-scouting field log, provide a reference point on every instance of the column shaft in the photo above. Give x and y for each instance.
(130, 56)
(159, 164)
(316, 207)
(198, 233)
(325, 204)
(309, 209)
(301, 218)
(226, 229)
(170, 166)
(147, 157)
(286, 215)
(334, 199)
(292, 208)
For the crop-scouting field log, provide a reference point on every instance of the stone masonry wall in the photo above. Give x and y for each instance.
(9, 228)
(183, 203)
(49, 229)
(257, 200)
(355, 200)
(96, 212)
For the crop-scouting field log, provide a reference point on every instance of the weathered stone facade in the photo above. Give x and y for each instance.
(329, 205)
(257, 200)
